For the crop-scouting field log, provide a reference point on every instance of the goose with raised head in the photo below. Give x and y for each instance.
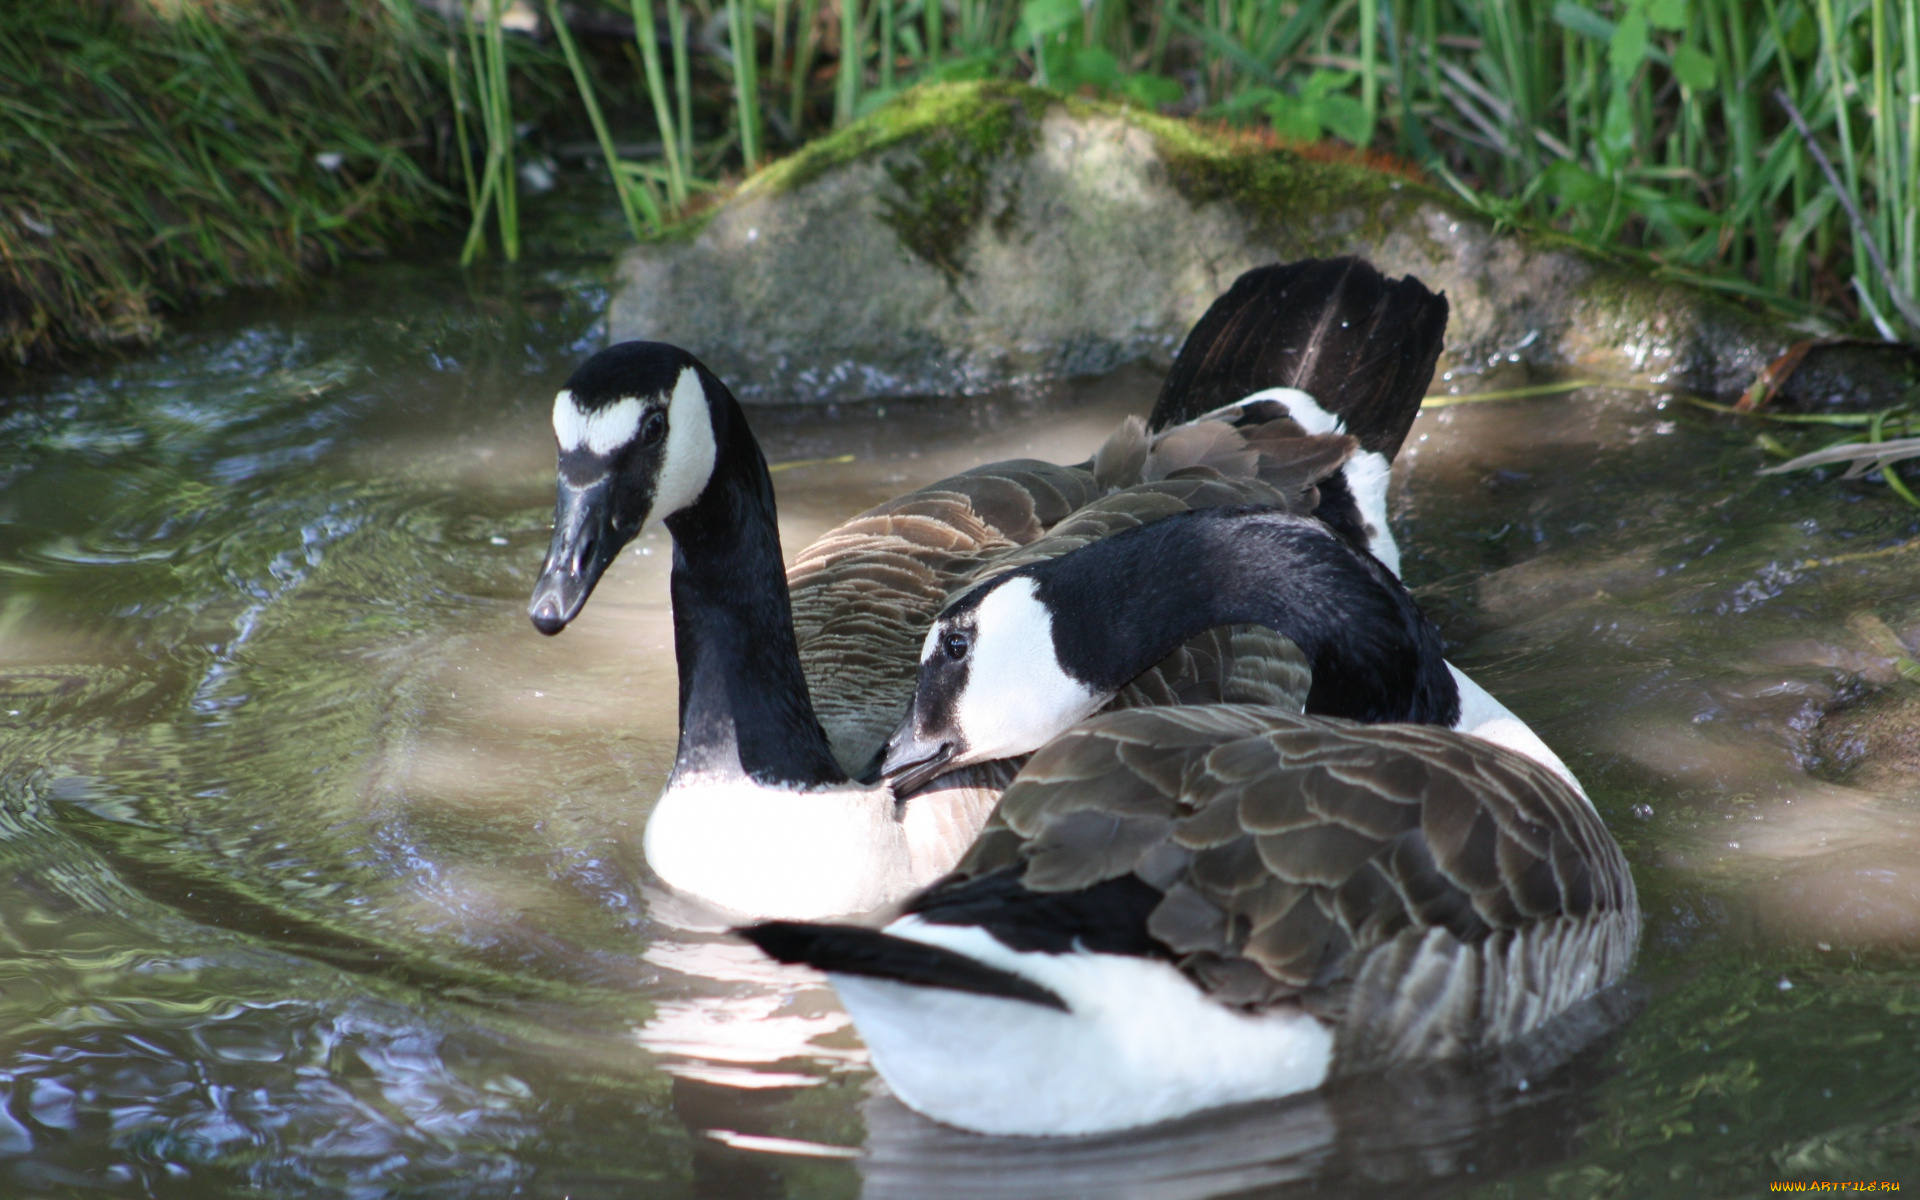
(1173, 909)
(790, 684)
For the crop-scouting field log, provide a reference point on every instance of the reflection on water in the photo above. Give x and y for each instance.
(321, 869)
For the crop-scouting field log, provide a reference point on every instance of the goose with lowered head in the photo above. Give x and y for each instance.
(1174, 909)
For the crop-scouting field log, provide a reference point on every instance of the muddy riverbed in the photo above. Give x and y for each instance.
(322, 870)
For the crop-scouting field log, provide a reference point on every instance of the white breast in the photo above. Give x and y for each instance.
(776, 854)
(940, 824)
(1141, 1043)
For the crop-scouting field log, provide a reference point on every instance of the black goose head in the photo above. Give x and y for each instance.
(636, 435)
(992, 684)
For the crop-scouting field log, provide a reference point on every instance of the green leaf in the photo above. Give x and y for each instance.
(1325, 83)
(1803, 38)
(1583, 21)
(1628, 46)
(1057, 54)
(1802, 224)
(984, 65)
(1346, 118)
(1089, 64)
(1672, 216)
(1245, 101)
(1150, 89)
(1044, 18)
(1667, 14)
(1616, 130)
(1575, 185)
(1305, 20)
(1221, 44)
(1294, 118)
(1587, 23)
(1694, 68)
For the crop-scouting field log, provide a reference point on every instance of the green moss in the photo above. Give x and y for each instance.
(943, 184)
(686, 228)
(1281, 189)
(986, 116)
(940, 146)
(951, 134)
(943, 148)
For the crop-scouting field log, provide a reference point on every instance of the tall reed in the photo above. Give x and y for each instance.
(846, 94)
(637, 203)
(682, 78)
(498, 190)
(746, 85)
(645, 33)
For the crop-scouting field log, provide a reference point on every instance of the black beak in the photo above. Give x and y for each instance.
(911, 762)
(584, 543)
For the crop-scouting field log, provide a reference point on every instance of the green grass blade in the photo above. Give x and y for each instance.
(847, 78)
(644, 32)
(621, 185)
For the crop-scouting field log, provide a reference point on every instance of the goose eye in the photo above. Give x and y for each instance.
(956, 645)
(653, 428)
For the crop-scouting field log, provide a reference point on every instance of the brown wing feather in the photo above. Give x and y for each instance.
(864, 594)
(1427, 890)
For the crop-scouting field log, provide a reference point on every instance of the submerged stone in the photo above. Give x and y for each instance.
(974, 236)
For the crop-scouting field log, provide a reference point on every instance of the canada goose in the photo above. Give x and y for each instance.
(760, 815)
(1022, 657)
(1173, 909)
(1017, 660)
(1343, 350)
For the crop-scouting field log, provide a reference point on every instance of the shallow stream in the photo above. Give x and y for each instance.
(320, 875)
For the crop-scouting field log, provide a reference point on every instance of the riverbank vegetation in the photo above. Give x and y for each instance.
(1765, 147)
(155, 150)
(149, 154)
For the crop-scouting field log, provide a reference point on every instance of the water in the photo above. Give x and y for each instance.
(322, 872)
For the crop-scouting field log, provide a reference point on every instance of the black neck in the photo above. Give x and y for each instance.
(1340, 512)
(1124, 603)
(744, 706)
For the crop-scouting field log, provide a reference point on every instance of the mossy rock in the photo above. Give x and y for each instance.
(976, 235)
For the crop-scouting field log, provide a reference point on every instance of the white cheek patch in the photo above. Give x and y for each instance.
(1017, 696)
(601, 431)
(687, 463)
(1304, 409)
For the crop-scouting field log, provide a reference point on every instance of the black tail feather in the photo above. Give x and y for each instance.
(1362, 346)
(856, 950)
